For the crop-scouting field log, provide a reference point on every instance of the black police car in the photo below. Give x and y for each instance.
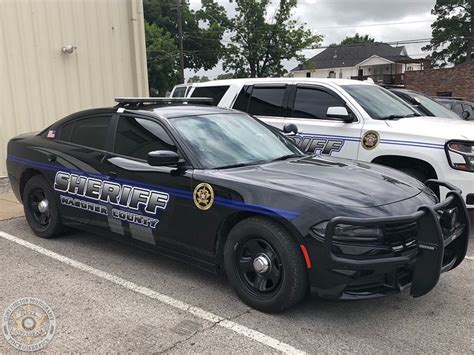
(221, 190)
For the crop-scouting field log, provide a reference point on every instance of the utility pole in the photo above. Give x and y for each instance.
(180, 40)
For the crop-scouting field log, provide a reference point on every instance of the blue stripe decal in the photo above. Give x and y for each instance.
(240, 205)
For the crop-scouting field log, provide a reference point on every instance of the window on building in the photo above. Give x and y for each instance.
(136, 137)
(332, 74)
(215, 92)
(308, 74)
(91, 132)
(267, 101)
(314, 103)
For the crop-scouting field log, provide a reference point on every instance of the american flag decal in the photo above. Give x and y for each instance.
(51, 134)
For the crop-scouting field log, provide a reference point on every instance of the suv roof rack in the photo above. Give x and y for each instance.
(143, 101)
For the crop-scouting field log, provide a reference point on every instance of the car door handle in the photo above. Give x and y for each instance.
(112, 174)
(52, 158)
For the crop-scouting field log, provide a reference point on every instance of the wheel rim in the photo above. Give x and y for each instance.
(259, 266)
(39, 206)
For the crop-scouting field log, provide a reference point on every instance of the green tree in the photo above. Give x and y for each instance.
(452, 32)
(258, 46)
(198, 79)
(161, 59)
(225, 76)
(202, 29)
(354, 40)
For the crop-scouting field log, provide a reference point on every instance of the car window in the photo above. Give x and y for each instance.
(215, 92)
(435, 108)
(136, 137)
(242, 101)
(314, 103)
(380, 103)
(457, 107)
(65, 132)
(179, 91)
(267, 101)
(91, 132)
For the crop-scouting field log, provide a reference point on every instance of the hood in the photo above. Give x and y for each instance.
(331, 181)
(435, 127)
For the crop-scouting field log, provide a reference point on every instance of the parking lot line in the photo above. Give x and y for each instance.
(195, 311)
(470, 258)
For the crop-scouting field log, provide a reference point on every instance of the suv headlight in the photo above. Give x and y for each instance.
(461, 155)
(349, 233)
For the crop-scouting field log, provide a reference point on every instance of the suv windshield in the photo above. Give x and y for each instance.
(379, 103)
(233, 139)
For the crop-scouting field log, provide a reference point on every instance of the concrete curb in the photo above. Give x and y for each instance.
(4, 185)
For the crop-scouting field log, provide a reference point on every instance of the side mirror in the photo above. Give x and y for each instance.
(290, 128)
(465, 115)
(163, 158)
(339, 112)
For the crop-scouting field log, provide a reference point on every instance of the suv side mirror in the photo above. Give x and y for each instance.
(339, 112)
(163, 158)
(290, 128)
(465, 115)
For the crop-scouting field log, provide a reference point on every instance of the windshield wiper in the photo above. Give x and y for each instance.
(395, 117)
(288, 156)
(239, 165)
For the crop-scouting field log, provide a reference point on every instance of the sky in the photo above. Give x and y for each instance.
(384, 20)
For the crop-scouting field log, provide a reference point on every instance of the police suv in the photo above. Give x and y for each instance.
(355, 120)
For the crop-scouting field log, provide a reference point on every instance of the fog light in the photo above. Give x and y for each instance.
(449, 218)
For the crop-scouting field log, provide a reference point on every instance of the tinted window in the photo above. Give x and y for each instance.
(216, 92)
(179, 91)
(242, 102)
(136, 137)
(65, 132)
(312, 103)
(267, 101)
(91, 132)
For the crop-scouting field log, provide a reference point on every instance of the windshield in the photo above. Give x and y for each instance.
(379, 103)
(233, 139)
(435, 108)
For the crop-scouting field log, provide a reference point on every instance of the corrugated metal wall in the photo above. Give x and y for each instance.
(39, 84)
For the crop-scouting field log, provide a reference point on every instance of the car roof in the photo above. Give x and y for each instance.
(244, 81)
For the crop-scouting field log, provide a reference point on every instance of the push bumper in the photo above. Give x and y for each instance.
(416, 263)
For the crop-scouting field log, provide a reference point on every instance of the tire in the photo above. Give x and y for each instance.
(283, 284)
(46, 224)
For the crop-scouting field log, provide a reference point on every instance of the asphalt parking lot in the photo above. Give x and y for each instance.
(172, 307)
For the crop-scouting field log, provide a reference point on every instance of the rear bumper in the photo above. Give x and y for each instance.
(359, 270)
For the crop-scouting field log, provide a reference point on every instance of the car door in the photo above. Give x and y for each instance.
(77, 152)
(318, 133)
(157, 199)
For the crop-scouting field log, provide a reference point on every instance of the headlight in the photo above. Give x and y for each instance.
(461, 155)
(348, 233)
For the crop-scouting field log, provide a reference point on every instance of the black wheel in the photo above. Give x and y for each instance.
(41, 209)
(264, 265)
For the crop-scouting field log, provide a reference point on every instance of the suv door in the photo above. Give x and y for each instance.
(318, 133)
(268, 102)
(158, 198)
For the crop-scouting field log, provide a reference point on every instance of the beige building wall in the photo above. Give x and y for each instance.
(40, 84)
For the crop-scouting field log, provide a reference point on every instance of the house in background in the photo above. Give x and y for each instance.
(379, 61)
(58, 57)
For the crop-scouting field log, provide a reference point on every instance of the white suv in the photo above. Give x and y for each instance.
(355, 120)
